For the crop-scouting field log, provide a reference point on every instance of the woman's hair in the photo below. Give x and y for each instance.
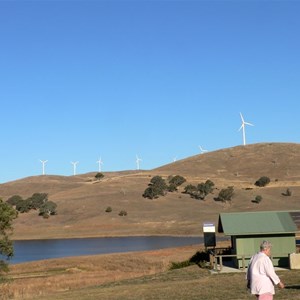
(265, 245)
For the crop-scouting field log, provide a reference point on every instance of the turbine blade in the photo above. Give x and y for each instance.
(242, 117)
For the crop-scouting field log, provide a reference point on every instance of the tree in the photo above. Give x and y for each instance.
(7, 215)
(153, 192)
(177, 180)
(157, 187)
(158, 182)
(226, 194)
(174, 182)
(257, 199)
(23, 205)
(99, 176)
(37, 200)
(262, 181)
(200, 191)
(13, 200)
(48, 209)
(189, 189)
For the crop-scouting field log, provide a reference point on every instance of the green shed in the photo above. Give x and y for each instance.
(248, 229)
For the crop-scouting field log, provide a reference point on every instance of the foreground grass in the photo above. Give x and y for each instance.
(130, 276)
(182, 284)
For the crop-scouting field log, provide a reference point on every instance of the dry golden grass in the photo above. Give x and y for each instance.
(132, 276)
(54, 276)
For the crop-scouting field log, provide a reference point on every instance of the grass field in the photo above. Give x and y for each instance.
(130, 276)
(184, 284)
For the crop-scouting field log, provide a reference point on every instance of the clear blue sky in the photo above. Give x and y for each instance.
(84, 79)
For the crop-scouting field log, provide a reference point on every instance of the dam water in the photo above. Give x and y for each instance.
(31, 250)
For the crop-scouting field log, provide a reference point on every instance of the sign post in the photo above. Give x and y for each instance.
(209, 232)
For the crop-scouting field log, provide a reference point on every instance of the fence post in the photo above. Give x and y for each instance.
(221, 263)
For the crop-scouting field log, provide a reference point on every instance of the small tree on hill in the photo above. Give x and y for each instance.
(201, 190)
(175, 182)
(47, 209)
(226, 194)
(262, 181)
(13, 200)
(157, 187)
(189, 189)
(37, 200)
(23, 206)
(99, 176)
(257, 199)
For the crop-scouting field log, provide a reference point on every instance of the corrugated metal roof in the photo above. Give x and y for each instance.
(254, 223)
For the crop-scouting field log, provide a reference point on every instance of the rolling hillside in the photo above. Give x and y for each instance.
(82, 201)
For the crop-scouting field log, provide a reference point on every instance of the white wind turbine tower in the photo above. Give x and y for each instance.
(202, 150)
(74, 163)
(243, 128)
(100, 162)
(138, 162)
(43, 163)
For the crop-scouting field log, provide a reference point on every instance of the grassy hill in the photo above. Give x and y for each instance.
(82, 201)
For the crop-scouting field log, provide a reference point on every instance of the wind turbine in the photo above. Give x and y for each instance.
(43, 163)
(138, 162)
(243, 128)
(100, 162)
(74, 163)
(202, 150)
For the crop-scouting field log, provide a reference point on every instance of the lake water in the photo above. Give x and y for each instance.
(30, 250)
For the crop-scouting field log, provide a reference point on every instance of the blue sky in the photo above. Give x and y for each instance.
(81, 80)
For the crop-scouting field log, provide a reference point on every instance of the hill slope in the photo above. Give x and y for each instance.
(82, 201)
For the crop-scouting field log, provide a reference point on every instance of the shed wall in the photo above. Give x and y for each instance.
(282, 246)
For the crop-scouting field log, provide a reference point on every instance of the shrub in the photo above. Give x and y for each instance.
(199, 258)
(179, 265)
(108, 209)
(287, 193)
(257, 199)
(99, 176)
(262, 181)
(123, 213)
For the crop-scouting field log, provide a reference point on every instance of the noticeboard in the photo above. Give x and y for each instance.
(209, 232)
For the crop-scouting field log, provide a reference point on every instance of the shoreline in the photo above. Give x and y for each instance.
(201, 235)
